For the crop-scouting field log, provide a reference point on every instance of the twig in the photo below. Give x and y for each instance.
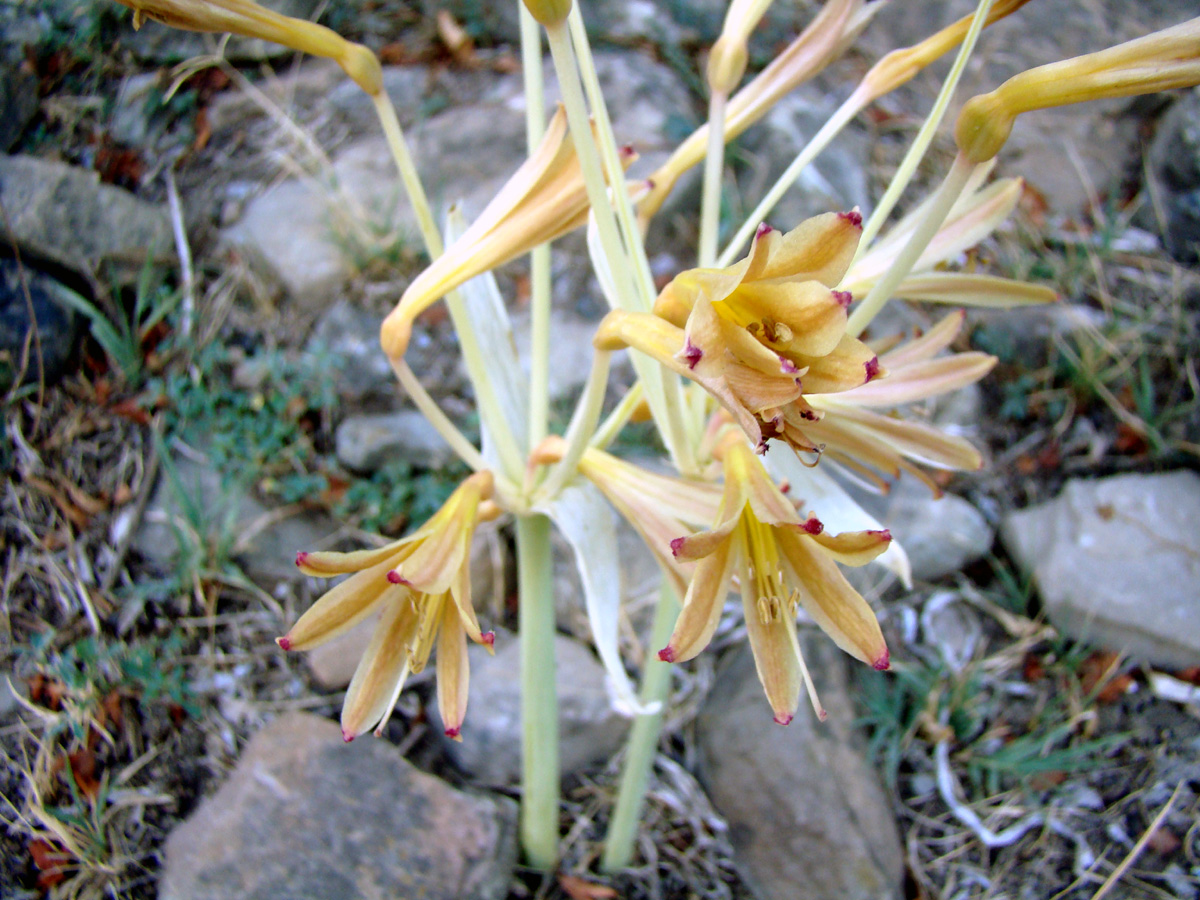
(149, 476)
(187, 305)
(1138, 847)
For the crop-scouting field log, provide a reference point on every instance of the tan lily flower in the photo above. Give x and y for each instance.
(251, 20)
(850, 431)
(421, 587)
(659, 507)
(543, 200)
(763, 332)
(1157, 62)
(728, 57)
(781, 561)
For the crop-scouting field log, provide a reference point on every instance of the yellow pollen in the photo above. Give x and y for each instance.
(763, 556)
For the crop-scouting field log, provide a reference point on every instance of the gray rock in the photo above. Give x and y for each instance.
(42, 309)
(18, 102)
(306, 817)
(807, 816)
(366, 443)
(131, 117)
(590, 729)
(940, 536)
(197, 509)
(1175, 171)
(1116, 563)
(348, 336)
(64, 214)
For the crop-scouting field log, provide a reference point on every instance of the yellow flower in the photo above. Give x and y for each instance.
(781, 561)
(421, 588)
(659, 507)
(251, 20)
(543, 200)
(852, 433)
(764, 332)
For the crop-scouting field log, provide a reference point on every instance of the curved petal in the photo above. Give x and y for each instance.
(381, 672)
(340, 608)
(702, 606)
(453, 672)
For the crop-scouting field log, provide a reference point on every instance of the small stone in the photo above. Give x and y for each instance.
(18, 102)
(64, 214)
(305, 816)
(365, 443)
(54, 338)
(808, 818)
(590, 728)
(1116, 562)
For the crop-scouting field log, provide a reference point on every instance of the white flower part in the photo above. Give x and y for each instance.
(836, 509)
(588, 523)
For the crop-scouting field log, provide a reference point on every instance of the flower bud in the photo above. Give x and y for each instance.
(548, 12)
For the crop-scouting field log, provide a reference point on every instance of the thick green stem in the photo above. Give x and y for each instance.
(943, 201)
(539, 701)
(714, 165)
(643, 742)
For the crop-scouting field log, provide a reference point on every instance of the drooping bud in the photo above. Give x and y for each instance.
(1157, 62)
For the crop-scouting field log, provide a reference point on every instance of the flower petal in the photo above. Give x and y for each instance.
(702, 606)
(340, 608)
(382, 669)
(453, 672)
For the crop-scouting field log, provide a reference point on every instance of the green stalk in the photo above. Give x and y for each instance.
(583, 424)
(439, 420)
(539, 258)
(643, 742)
(408, 172)
(714, 164)
(943, 201)
(539, 701)
(924, 137)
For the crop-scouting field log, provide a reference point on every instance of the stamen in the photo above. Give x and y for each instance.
(692, 354)
(764, 229)
(667, 654)
(302, 558)
(854, 217)
(845, 298)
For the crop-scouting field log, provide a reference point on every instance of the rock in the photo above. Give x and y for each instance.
(366, 443)
(65, 215)
(1025, 335)
(1174, 168)
(158, 43)
(940, 536)
(808, 818)
(18, 102)
(590, 729)
(136, 101)
(226, 516)
(306, 817)
(1116, 562)
(54, 321)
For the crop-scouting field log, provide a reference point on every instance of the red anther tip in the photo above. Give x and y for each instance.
(872, 366)
(301, 557)
(285, 643)
(667, 654)
(763, 229)
(452, 732)
(627, 150)
(822, 715)
(677, 546)
(784, 719)
(785, 487)
(854, 217)
(489, 638)
(650, 183)
(812, 525)
(692, 354)
(884, 535)
(845, 298)
(395, 577)
(787, 367)
(883, 663)
(347, 735)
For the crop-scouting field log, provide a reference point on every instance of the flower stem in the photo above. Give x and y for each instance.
(583, 423)
(539, 258)
(428, 406)
(925, 136)
(710, 203)
(539, 701)
(643, 742)
(408, 172)
(943, 201)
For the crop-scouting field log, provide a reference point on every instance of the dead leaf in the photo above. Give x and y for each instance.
(456, 39)
(51, 861)
(1100, 676)
(578, 889)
